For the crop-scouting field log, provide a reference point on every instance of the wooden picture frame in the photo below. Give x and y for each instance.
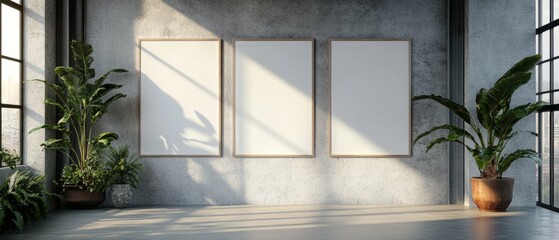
(273, 106)
(180, 97)
(370, 98)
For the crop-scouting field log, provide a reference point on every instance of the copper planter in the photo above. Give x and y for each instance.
(492, 195)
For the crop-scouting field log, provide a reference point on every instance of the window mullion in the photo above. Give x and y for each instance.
(1, 80)
(21, 89)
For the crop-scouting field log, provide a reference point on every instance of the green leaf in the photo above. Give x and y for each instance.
(101, 79)
(505, 122)
(70, 78)
(112, 99)
(523, 65)
(56, 144)
(483, 156)
(442, 140)
(45, 126)
(65, 118)
(104, 139)
(2, 213)
(454, 133)
(18, 221)
(53, 103)
(497, 98)
(507, 160)
(81, 53)
(482, 108)
(55, 87)
(103, 90)
(456, 108)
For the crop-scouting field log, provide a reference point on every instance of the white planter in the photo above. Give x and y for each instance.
(120, 195)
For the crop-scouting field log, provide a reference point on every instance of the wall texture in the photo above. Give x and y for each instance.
(499, 34)
(114, 27)
(39, 56)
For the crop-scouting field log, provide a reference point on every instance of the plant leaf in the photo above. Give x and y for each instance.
(55, 87)
(18, 221)
(101, 79)
(456, 108)
(104, 139)
(498, 97)
(507, 160)
(523, 65)
(505, 122)
(483, 156)
(454, 133)
(442, 140)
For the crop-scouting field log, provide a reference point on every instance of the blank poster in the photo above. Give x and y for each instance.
(274, 92)
(370, 112)
(180, 99)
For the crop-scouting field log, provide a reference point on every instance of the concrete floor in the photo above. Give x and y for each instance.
(295, 222)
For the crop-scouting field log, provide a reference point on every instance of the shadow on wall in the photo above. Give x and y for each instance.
(179, 173)
(172, 140)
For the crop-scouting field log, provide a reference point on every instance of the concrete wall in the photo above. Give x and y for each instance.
(114, 27)
(39, 56)
(500, 33)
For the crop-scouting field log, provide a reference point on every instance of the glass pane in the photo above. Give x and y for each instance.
(537, 14)
(11, 32)
(11, 128)
(545, 12)
(537, 43)
(538, 117)
(11, 82)
(545, 148)
(556, 41)
(555, 9)
(555, 74)
(545, 51)
(544, 97)
(17, 1)
(544, 81)
(537, 78)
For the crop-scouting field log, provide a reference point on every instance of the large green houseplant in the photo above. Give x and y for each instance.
(82, 100)
(487, 136)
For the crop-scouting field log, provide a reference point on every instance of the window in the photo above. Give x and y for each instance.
(11, 73)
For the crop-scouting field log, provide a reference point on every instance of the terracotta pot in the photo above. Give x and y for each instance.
(76, 198)
(492, 195)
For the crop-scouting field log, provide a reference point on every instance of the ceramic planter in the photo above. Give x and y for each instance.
(77, 197)
(121, 195)
(492, 195)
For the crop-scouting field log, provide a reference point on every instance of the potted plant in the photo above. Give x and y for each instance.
(123, 170)
(9, 158)
(487, 136)
(82, 102)
(22, 196)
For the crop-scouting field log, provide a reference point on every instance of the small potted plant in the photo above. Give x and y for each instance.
(488, 134)
(123, 169)
(23, 195)
(9, 158)
(83, 100)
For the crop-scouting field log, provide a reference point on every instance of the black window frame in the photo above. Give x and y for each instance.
(553, 108)
(18, 7)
